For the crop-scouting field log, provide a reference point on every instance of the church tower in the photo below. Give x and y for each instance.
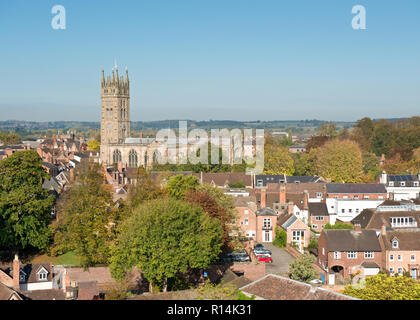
(115, 110)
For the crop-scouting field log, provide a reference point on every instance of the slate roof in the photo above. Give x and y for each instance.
(380, 218)
(221, 178)
(6, 293)
(266, 212)
(281, 178)
(363, 218)
(356, 188)
(51, 294)
(318, 209)
(88, 290)
(274, 287)
(297, 199)
(31, 271)
(407, 240)
(350, 240)
(369, 264)
(311, 187)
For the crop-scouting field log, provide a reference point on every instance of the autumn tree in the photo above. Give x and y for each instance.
(204, 200)
(86, 217)
(166, 237)
(340, 160)
(25, 207)
(383, 287)
(328, 130)
(93, 145)
(9, 138)
(277, 160)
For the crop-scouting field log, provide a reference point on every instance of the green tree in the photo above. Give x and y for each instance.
(302, 269)
(144, 189)
(25, 207)
(339, 225)
(340, 160)
(177, 186)
(166, 237)
(305, 163)
(383, 287)
(281, 238)
(86, 218)
(328, 130)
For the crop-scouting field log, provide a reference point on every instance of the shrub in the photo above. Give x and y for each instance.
(281, 238)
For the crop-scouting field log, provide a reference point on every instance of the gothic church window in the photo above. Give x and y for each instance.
(132, 159)
(116, 156)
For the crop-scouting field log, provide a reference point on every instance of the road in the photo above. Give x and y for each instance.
(281, 259)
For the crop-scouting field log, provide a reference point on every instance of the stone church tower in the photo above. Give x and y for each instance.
(115, 110)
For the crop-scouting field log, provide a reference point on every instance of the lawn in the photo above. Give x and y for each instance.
(68, 258)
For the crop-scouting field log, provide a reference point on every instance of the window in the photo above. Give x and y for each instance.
(323, 251)
(350, 210)
(400, 270)
(391, 183)
(366, 197)
(402, 184)
(116, 156)
(259, 183)
(357, 210)
(314, 226)
(391, 257)
(246, 222)
(356, 198)
(400, 257)
(337, 255)
(319, 195)
(391, 270)
(42, 276)
(345, 197)
(394, 244)
(369, 255)
(351, 255)
(318, 218)
(380, 197)
(246, 211)
(413, 257)
(335, 197)
(132, 159)
(415, 183)
(266, 222)
(343, 210)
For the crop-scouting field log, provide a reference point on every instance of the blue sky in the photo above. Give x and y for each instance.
(218, 59)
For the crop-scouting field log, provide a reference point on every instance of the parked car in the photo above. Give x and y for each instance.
(239, 252)
(265, 259)
(259, 246)
(265, 252)
(241, 258)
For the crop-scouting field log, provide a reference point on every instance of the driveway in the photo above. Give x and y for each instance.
(281, 259)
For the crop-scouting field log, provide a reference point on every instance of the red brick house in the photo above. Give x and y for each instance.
(318, 216)
(343, 253)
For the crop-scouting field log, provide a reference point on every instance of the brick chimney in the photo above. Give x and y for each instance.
(72, 175)
(305, 199)
(282, 196)
(290, 208)
(141, 134)
(16, 271)
(357, 227)
(263, 197)
(383, 230)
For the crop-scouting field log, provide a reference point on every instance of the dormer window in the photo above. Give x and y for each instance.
(402, 183)
(42, 274)
(395, 244)
(415, 183)
(391, 183)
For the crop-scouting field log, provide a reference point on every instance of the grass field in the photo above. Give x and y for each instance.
(68, 258)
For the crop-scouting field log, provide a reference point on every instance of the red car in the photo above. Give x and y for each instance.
(265, 259)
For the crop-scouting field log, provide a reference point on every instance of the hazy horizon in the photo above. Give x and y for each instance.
(219, 60)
